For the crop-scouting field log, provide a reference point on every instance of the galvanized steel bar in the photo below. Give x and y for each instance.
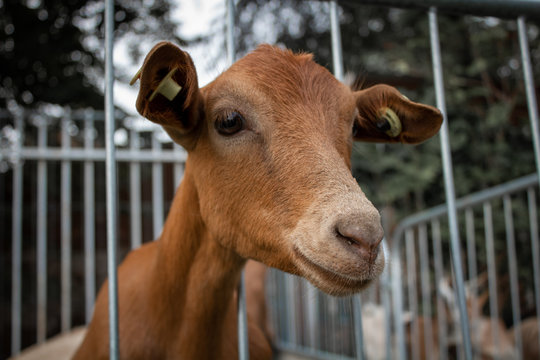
(243, 346)
(449, 181)
(122, 155)
(425, 287)
(397, 299)
(178, 166)
(358, 331)
(471, 257)
(508, 9)
(529, 88)
(16, 244)
(110, 166)
(386, 299)
(291, 318)
(157, 190)
(65, 228)
(311, 304)
(535, 249)
(412, 291)
(41, 268)
(492, 273)
(439, 274)
(135, 193)
(337, 54)
(513, 271)
(89, 222)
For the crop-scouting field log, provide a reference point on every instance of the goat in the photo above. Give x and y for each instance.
(267, 178)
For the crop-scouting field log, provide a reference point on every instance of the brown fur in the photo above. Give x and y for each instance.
(279, 192)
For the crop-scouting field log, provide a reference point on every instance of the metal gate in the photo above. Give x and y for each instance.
(407, 303)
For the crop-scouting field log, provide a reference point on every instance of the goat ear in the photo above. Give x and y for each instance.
(385, 115)
(169, 94)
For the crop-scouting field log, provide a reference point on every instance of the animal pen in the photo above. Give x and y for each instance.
(412, 312)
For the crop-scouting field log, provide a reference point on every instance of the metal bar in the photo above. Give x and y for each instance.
(397, 299)
(337, 55)
(411, 286)
(439, 274)
(449, 181)
(311, 304)
(508, 9)
(513, 272)
(492, 275)
(65, 229)
(529, 88)
(89, 223)
(385, 299)
(230, 32)
(77, 154)
(291, 319)
(114, 351)
(16, 247)
(535, 248)
(135, 193)
(157, 190)
(41, 268)
(243, 345)
(471, 257)
(178, 166)
(426, 287)
(358, 331)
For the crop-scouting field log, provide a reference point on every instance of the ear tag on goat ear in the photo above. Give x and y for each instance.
(167, 87)
(136, 77)
(388, 122)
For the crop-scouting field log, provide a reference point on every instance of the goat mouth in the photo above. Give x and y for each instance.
(340, 284)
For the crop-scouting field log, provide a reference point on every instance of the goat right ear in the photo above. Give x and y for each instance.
(177, 109)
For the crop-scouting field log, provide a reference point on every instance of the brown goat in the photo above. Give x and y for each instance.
(267, 178)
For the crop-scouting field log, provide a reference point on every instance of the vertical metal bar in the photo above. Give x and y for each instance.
(471, 255)
(157, 189)
(114, 351)
(535, 248)
(358, 331)
(42, 236)
(492, 275)
(16, 225)
(439, 274)
(385, 298)
(135, 192)
(243, 346)
(512, 265)
(178, 167)
(411, 285)
(449, 181)
(337, 56)
(397, 299)
(89, 220)
(243, 341)
(529, 90)
(425, 288)
(291, 318)
(66, 227)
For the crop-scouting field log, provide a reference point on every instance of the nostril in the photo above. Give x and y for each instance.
(355, 234)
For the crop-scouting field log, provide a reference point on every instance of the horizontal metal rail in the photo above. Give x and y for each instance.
(504, 9)
(51, 154)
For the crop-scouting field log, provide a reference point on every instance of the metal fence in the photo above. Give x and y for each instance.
(57, 160)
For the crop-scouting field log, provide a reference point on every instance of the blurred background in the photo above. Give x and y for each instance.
(51, 61)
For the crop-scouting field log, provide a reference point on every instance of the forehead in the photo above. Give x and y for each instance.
(282, 78)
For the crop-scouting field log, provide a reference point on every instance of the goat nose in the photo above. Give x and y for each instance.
(365, 236)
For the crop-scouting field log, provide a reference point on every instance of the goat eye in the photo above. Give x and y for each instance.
(231, 124)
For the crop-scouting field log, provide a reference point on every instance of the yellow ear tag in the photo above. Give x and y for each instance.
(136, 77)
(167, 87)
(391, 125)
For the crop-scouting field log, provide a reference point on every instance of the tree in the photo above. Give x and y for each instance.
(52, 52)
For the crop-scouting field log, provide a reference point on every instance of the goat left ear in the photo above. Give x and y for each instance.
(385, 115)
